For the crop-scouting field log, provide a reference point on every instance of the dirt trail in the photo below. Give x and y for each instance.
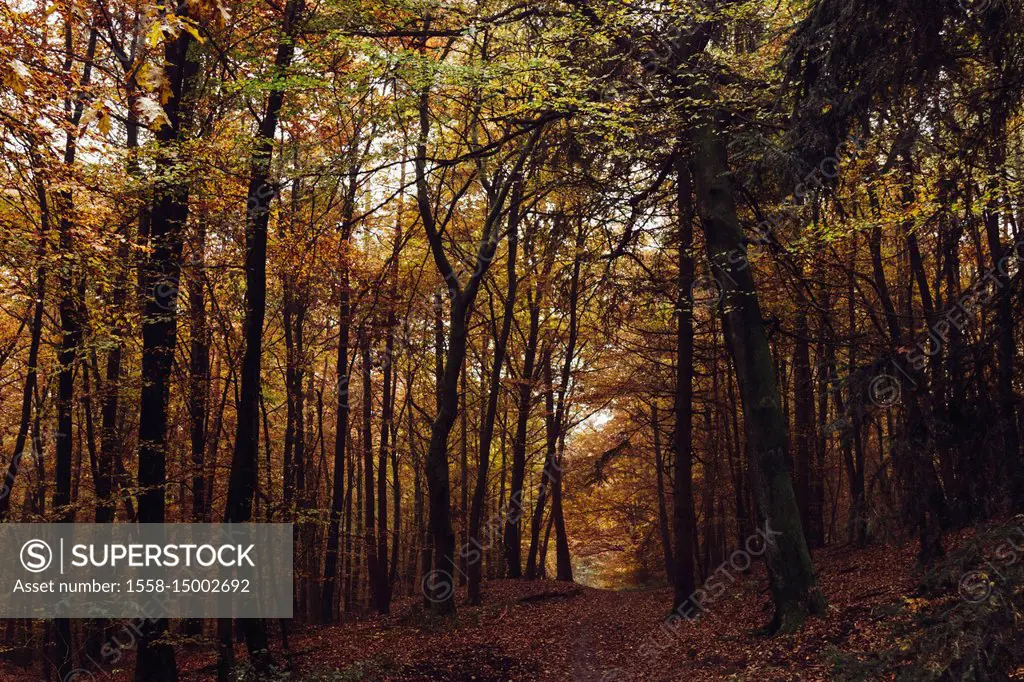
(550, 631)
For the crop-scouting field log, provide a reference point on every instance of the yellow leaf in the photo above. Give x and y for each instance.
(192, 29)
(15, 76)
(103, 121)
(155, 35)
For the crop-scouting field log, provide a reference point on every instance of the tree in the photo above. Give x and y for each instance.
(257, 216)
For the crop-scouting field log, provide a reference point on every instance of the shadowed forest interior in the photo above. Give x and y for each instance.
(563, 322)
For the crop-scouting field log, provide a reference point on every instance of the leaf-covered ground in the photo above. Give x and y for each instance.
(553, 631)
(879, 611)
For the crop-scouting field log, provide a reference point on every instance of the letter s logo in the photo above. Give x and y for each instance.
(36, 556)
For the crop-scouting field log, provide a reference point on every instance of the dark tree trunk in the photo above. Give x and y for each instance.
(242, 482)
(355, 576)
(475, 559)
(664, 529)
(419, 564)
(682, 440)
(396, 505)
(338, 496)
(199, 375)
(803, 399)
(514, 514)
(348, 571)
(464, 478)
(563, 570)
(497, 560)
(852, 440)
(563, 560)
(71, 310)
(463, 296)
(443, 586)
(547, 473)
(160, 275)
(793, 584)
(386, 423)
(374, 571)
(816, 506)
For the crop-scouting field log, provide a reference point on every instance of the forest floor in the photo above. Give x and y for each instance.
(545, 630)
(557, 631)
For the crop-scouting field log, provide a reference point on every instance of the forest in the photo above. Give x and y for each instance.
(576, 339)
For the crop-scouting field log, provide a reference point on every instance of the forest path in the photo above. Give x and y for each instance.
(546, 630)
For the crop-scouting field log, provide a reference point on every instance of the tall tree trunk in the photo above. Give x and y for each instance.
(374, 571)
(514, 514)
(547, 473)
(159, 276)
(71, 311)
(396, 505)
(463, 296)
(803, 412)
(853, 430)
(386, 423)
(242, 482)
(664, 529)
(464, 477)
(199, 375)
(682, 439)
(355, 576)
(348, 572)
(494, 387)
(793, 584)
(420, 548)
(563, 562)
(338, 495)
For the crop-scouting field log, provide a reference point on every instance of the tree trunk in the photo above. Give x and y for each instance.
(373, 568)
(338, 496)
(464, 478)
(563, 560)
(803, 399)
(682, 439)
(793, 584)
(242, 482)
(386, 424)
(475, 559)
(514, 514)
(199, 375)
(159, 276)
(441, 588)
(659, 469)
(547, 473)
